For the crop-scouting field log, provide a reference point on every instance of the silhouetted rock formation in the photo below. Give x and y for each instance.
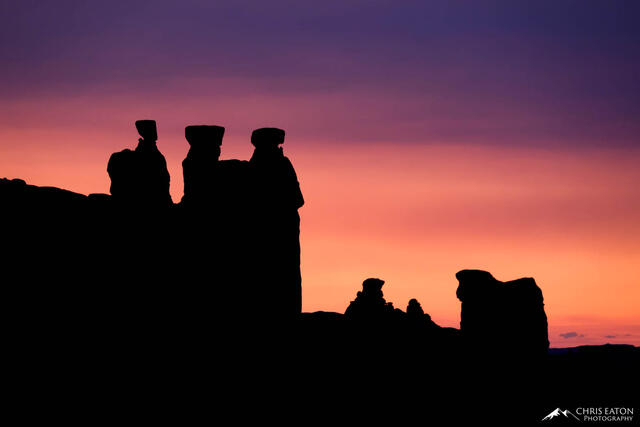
(276, 198)
(140, 178)
(213, 284)
(237, 230)
(114, 304)
(201, 166)
(102, 301)
(417, 316)
(415, 313)
(496, 314)
(370, 306)
(214, 215)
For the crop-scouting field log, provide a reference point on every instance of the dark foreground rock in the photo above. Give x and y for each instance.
(110, 318)
(496, 313)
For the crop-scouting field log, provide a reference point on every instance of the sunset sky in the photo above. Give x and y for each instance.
(428, 137)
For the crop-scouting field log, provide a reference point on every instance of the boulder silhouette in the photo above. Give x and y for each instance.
(426, 335)
(140, 177)
(417, 316)
(415, 311)
(498, 314)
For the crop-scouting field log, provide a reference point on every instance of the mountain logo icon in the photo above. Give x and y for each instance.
(557, 412)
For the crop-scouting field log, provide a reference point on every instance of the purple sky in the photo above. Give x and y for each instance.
(500, 72)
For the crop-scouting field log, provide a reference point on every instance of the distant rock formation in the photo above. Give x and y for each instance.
(212, 224)
(201, 167)
(221, 275)
(228, 254)
(371, 307)
(415, 313)
(502, 314)
(107, 302)
(417, 317)
(372, 326)
(140, 178)
(275, 200)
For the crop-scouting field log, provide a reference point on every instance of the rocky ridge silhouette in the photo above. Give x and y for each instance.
(211, 286)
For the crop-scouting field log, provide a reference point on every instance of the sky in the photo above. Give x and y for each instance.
(428, 136)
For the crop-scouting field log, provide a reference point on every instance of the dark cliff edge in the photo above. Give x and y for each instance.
(106, 300)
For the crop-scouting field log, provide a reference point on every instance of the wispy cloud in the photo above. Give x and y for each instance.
(571, 335)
